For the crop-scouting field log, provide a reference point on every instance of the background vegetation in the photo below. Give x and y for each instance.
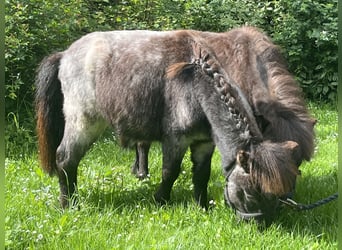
(305, 29)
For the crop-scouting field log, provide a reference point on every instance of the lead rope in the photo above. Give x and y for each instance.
(301, 207)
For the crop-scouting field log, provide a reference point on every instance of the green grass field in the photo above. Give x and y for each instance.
(118, 211)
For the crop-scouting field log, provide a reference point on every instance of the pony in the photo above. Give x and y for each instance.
(152, 86)
(258, 68)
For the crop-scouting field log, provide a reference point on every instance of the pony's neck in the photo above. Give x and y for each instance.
(230, 129)
(225, 107)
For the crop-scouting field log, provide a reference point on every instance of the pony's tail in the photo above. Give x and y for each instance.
(49, 109)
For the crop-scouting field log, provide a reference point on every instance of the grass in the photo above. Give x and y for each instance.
(118, 211)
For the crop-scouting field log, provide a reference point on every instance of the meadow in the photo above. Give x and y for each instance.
(117, 211)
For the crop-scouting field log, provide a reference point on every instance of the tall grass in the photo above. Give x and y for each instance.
(117, 211)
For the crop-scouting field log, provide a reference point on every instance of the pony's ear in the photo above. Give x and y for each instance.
(242, 159)
(291, 145)
(295, 152)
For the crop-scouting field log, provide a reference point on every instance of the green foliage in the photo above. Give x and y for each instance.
(117, 211)
(33, 30)
(306, 30)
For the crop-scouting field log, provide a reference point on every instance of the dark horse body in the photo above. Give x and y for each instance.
(119, 79)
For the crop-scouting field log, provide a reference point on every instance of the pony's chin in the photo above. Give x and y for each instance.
(265, 212)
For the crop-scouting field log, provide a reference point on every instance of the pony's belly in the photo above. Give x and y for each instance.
(134, 132)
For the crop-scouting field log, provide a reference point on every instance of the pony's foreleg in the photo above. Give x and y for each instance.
(201, 154)
(80, 132)
(173, 149)
(140, 165)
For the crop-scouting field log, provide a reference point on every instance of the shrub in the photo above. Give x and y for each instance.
(34, 29)
(307, 30)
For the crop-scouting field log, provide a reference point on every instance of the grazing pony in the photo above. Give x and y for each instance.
(152, 86)
(256, 65)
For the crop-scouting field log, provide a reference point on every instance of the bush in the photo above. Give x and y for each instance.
(307, 30)
(33, 30)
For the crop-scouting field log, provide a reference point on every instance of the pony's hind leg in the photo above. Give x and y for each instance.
(140, 165)
(201, 154)
(80, 132)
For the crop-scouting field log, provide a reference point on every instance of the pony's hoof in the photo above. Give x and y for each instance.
(142, 176)
(69, 203)
(134, 168)
(161, 198)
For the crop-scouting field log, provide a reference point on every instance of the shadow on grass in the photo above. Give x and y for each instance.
(132, 197)
(317, 223)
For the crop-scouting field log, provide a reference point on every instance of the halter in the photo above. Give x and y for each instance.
(248, 216)
(288, 202)
(243, 215)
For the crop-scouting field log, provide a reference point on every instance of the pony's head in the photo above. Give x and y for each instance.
(260, 177)
(262, 171)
